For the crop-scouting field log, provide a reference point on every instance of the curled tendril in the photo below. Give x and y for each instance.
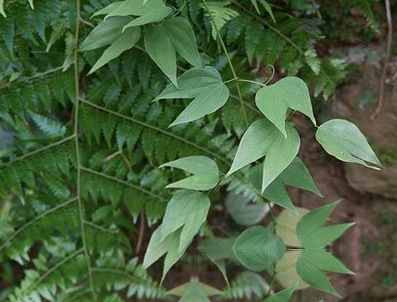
(271, 68)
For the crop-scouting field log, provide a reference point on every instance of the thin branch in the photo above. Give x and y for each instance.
(240, 97)
(29, 154)
(141, 232)
(101, 228)
(386, 63)
(77, 150)
(37, 75)
(33, 221)
(123, 182)
(157, 129)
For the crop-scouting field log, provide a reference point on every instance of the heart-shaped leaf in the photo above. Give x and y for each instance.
(205, 86)
(205, 173)
(343, 140)
(296, 175)
(158, 247)
(262, 138)
(187, 210)
(274, 100)
(105, 33)
(257, 248)
(125, 41)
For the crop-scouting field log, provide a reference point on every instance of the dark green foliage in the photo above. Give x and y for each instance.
(80, 169)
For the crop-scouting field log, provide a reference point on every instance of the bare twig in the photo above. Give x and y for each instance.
(386, 63)
(141, 233)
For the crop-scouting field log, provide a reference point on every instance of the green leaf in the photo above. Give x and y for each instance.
(262, 138)
(296, 175)
(325, 261)
(343, 140)
(2, 12)
(243, 211)
(158, 247)
(108, 9)
(286, 223)
(133, 8)
(313, 275)
(160, 49)
(217, 250)
(205, 288)
(282, 296)
(126, 41)
(194, 294)
(274, 100)
(187, 210)
(286, 273)
(105, 33)
(182, 37)
(205, 86)
(49, 127)
(311, 230)
(257, 248)
(205, 173)
(220, 14)
(266, 6)
(151, 17)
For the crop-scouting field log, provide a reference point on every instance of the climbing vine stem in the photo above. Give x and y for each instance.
(236, 79)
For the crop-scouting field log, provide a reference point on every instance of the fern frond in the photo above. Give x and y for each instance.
(220, 15)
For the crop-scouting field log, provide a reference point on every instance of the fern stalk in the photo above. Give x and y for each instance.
(78, 163)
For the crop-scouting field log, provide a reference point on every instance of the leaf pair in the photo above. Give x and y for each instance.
(184, 215)
(296, 175)
(165, 39)
(205, 86)
(109, 33)
(263, 138)
(314, 260)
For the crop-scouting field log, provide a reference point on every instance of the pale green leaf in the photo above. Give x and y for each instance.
(194, 294)
(105, 33)
(31, 4)
(257, 248)
(262, 138)
(205, 86)
(2, 12)
(108, 9)
(311, 230)
(286, 273)
(274, 100)
(205, 173)
(205, 288)
(343, 140)
(220, 14)
(158, 248)
(160, 49)
(313, 275)
(243, 211)
(187, 210)
(134, 8)
(126, 41)
(282, 296)
(254, 144)
(325, 261)
(151, 17)
(217, 250)
(182, 37)
(280, 154)
(286, 223)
